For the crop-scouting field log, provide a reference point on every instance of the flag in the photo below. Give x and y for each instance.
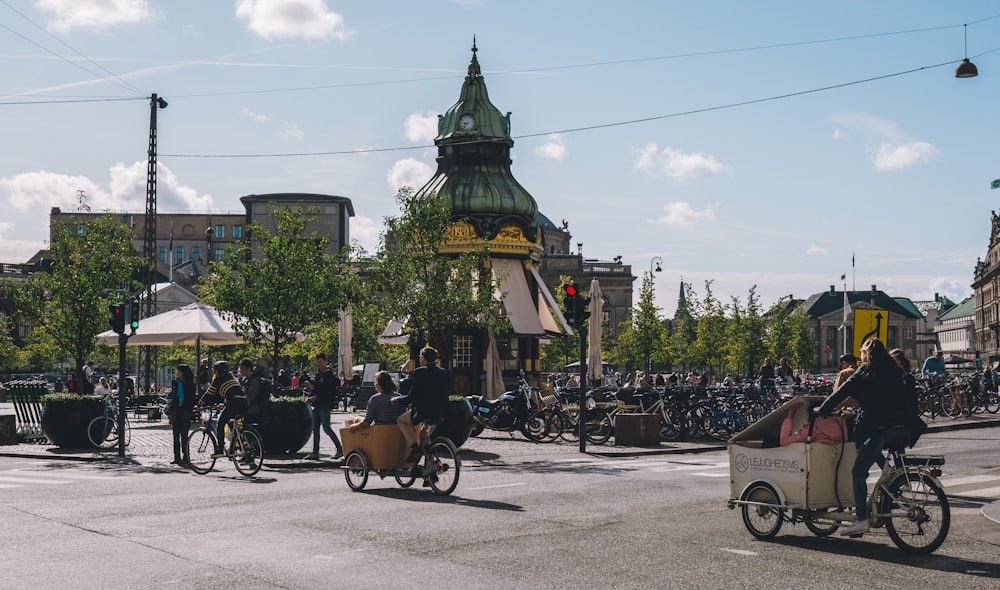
(843, 277)
(995, 183)
(170, 254)
(847, 308)
(852, 259)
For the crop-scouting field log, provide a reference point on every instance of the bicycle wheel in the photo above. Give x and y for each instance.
(820, 529)
(99, 432)
(599, 431)
(249, 453)
(762, 521)
(571, 428)
(201, 446)
(951, 406)
(671, 427)
(356, 470)
(404, 479)
(541, 427)
(992, 402)
(443, 458)
(918, 514)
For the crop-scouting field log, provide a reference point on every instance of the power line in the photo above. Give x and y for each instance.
(116, 79)
(588, 127)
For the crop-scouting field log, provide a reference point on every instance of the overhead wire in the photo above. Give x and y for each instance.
(114, 78)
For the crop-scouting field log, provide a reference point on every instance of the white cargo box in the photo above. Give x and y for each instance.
(805, 475)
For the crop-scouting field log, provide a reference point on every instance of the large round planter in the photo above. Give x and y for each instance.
(65, 422)
(457, 423)
(286, 427)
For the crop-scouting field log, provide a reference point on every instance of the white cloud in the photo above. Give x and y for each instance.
(837, 134)
(897, 157)
(675, 163)
(291, 19)
(813, 249)
(252, 116)
(409, 172)
(365, 233)
(292, 131)
(33, 194)
(553, 149)
(896, 149)
(680, 214)
(93, 14)
(421, 127)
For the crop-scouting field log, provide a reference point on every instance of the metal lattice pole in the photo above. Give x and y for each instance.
(149, 239)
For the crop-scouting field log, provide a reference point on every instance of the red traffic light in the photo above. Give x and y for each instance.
(571, 290)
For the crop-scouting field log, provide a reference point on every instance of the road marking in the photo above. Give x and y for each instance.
(506, 485)
(35, 473)
(703, 474)
(739, 551)
(29, 480)
(985, 492)
(961, 481)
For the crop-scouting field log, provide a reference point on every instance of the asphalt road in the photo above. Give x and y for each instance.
(523, 515)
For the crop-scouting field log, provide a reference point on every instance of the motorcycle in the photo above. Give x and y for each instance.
(512, 411)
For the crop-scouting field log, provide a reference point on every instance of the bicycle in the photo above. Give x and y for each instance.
(103, 430)
(907, 499)
(246, 450)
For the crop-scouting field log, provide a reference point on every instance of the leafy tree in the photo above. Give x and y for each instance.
(436, 293)
(803, 345)
(9, 352)
(274, 284)
(94, 261)
(779, 331)
(708, 349)
(746, 347)
(685, 327)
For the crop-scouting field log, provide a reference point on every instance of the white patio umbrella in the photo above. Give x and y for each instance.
(345, 333)
(494, 370)
(594, 362)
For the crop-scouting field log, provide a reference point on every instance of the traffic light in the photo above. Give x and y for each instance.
(133, 315)
(117, 319)
(582, 310)
(571, 303)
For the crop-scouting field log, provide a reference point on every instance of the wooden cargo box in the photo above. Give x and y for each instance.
(382, 445)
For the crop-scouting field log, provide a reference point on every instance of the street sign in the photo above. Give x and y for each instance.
(995, 183)
(869, 323)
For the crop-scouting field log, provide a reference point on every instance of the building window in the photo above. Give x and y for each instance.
(161, 253)
(907, 332)
(220, 231)
(178, 254)
(219, 253)
(196, 253)
(461, 352)
(237, 231)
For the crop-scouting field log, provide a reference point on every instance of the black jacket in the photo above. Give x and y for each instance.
(428, 394)
(884, 401)
(325, 388)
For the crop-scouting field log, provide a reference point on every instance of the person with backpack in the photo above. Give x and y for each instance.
(257, 388)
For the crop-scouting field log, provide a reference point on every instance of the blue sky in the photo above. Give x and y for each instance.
(778, 193)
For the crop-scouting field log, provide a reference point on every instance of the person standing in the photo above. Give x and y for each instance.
(934, 365)
(324, 391)
(784, 371)
(204, 375)
(252, 383)
(180, 400)
(428, 397)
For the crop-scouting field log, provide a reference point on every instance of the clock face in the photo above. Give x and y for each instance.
(467, 122)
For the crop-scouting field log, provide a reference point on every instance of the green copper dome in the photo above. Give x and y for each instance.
(474, 162)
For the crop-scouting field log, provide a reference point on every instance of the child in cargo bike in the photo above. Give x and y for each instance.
(830, 430)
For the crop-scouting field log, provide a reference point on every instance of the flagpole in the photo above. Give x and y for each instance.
(170, 272)
(854, 278)
(846, 301)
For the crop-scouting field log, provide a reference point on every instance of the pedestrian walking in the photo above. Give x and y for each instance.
(324, 390)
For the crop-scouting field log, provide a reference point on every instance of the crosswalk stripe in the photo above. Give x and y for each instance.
(32, 480)
(984, 492)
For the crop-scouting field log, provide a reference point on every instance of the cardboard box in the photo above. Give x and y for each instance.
(381, 444)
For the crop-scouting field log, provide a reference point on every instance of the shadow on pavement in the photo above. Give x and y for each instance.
(876, 551)
(416, 495)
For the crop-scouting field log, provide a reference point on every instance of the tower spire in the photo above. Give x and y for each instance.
(474, 69)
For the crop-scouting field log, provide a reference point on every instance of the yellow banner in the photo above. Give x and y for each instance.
(869, 323)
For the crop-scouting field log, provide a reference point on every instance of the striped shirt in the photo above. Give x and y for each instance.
(381, 411)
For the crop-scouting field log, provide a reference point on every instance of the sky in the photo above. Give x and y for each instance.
(760, 145)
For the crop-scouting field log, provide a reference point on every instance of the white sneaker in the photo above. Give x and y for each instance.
(857, 529)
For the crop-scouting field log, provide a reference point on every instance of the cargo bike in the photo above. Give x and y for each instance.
(380, 449)
(811, 483)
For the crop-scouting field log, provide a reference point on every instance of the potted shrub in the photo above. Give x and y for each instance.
(65, 417)
(286, 424)
(458, 422)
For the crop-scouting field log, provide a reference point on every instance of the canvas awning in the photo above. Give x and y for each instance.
(521, 311)
(393, 333)
(547, 306)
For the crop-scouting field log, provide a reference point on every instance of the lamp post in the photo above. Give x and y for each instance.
(649, 353)
(209, 234)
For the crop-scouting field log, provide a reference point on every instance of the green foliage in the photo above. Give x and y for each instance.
(276, 283)
(435, 293)
(804, 353)
(94, 261)
(685, 328)
(709, 348)
(561, 351)
(745, 334)
(644, 341)
(65, 398)
(10, 357)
